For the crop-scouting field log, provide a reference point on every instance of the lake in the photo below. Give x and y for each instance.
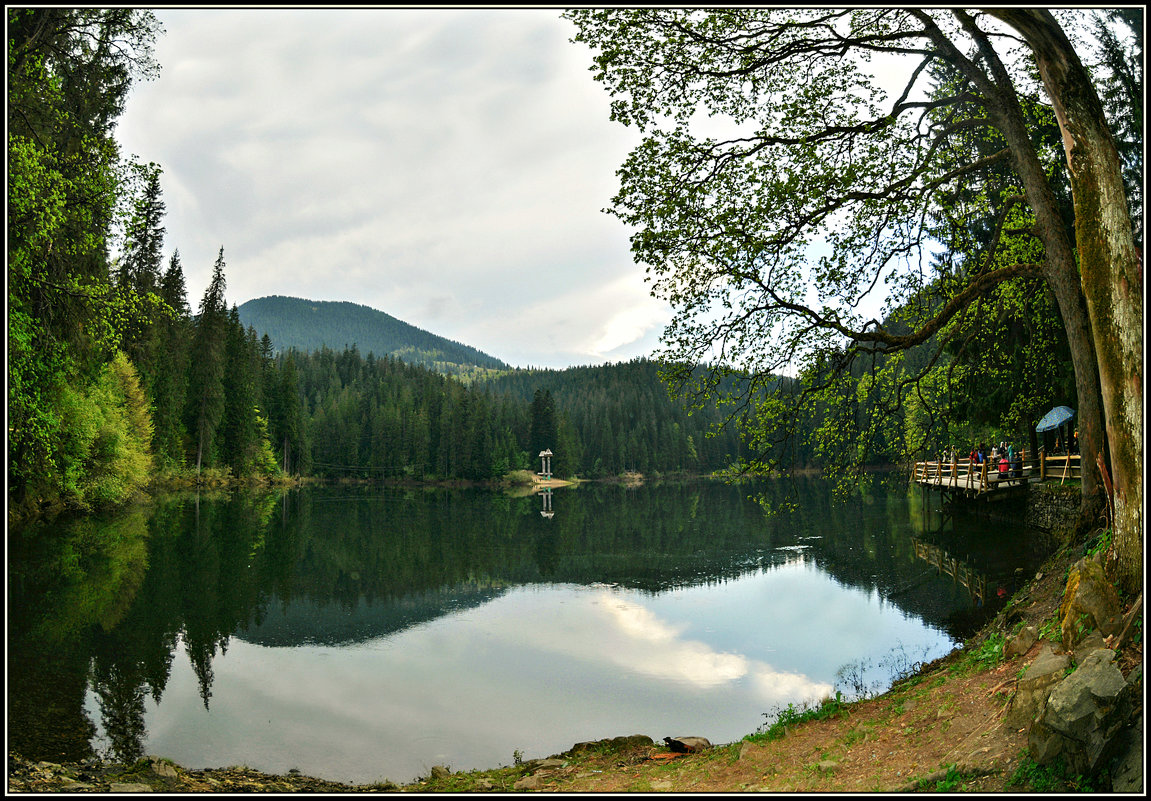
(363, 633)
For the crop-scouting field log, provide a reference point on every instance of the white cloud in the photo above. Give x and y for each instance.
(638, 316)
(446, 167)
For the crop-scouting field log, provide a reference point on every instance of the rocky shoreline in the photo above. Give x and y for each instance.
(156, 775)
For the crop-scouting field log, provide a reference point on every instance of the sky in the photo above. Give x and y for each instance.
(448, 167)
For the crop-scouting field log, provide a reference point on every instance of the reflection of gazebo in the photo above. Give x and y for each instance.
(546, 463)
(547, 512)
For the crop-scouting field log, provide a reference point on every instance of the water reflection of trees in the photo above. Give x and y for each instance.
(357, 563)
(67, 583)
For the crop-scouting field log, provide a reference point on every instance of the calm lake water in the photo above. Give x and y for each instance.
(358, 634)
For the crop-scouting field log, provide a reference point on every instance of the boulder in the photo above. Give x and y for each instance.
(1084, 715)
(1021, 643)
(687, 745)
(1090, 602)
(551, 763)
(613, 744)
(1092, 641)
(749, 749)
(1127, 776)
(528, 783)
(1034, 686)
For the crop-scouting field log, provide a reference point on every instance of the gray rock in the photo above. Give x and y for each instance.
(71, 785)
(440, 772)
(1093, 641)
(1034, 686)
(129, 787)
(1127, 777)
(549, 763)
(746, 749)
(528, 783)
(1021, 643)
(687, 745)
(1083, 716)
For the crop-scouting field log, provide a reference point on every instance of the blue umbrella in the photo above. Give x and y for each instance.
(1055, 418)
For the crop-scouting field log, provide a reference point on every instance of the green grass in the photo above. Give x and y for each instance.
(987, 656)
(1053, 778)
(1050, 630)
(948, 784)
(792, 715)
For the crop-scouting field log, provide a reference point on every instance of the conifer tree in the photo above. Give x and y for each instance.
(239, 428)
(291, 431)
(206, 378)
(138, 277)
(170, 385)
(544, 428)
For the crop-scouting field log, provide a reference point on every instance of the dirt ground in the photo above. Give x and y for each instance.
(883, 744)
(940, 729)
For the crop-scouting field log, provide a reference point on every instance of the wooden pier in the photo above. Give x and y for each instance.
(960, 477)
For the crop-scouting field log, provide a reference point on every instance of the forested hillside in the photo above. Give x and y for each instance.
(374, 417)
(309, 325)
(622, 419)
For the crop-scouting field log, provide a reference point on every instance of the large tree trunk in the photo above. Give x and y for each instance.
(1111, 272)
(1062, 275)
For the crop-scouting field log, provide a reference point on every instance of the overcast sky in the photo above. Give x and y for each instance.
(448, 167)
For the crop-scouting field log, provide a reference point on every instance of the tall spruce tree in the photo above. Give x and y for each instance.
(206, 377)
(170, 384)
(138, 275)
(544, 425)
(285, 415)
(239, 428)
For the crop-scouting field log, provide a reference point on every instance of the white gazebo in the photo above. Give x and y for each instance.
(546, 464)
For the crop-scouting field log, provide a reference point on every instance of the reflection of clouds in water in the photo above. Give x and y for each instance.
(663, 654)
(658, 651)
(777, 687)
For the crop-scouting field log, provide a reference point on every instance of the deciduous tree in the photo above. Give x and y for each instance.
(771, 234)
(69, 71)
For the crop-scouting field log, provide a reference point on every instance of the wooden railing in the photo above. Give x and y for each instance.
(960, 473)
(1060, 468)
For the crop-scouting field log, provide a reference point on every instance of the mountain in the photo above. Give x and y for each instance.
(310, 325)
